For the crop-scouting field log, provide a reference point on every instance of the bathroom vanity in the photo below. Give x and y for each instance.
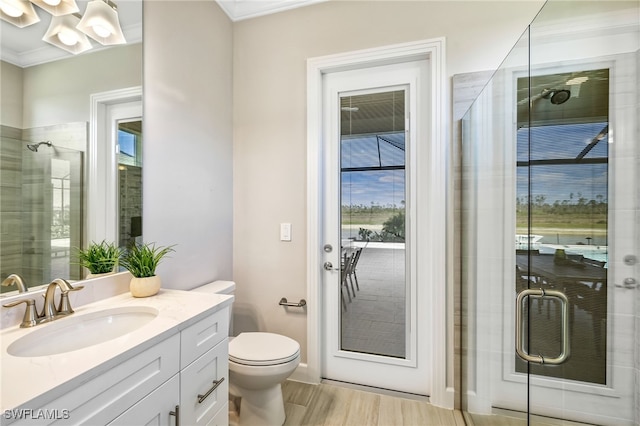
(121, 361)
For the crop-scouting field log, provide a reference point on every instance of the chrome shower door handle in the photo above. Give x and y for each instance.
(564, 326)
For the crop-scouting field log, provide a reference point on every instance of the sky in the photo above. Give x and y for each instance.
(555, 182)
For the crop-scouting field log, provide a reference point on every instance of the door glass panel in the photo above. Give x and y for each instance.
(561, 227)
(130, 182)
(51, 199)
(373, 267)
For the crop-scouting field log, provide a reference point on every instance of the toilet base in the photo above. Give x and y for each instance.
(264, 407)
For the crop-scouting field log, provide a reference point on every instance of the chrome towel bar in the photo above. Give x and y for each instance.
(300, 304)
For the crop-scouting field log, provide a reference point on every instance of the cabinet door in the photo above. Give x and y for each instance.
(199, 403)
(154, 409)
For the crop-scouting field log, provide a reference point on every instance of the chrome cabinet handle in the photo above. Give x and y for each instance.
(201, 398)
(539, 359)
(176, 413)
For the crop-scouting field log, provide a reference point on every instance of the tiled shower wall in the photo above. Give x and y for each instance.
(26, 201)
(130, 204)
(10, 202)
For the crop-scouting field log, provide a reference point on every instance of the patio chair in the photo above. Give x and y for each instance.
(344, 270)
(353, 263)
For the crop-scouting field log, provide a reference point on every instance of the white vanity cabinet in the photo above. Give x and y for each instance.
(198, 395)
(186, 373)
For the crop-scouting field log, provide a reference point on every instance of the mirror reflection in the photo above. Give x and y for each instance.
(45, 123)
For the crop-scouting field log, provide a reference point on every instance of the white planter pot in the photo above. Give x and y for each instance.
(145, 287)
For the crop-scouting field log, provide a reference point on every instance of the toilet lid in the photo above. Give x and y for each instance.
(262, 349)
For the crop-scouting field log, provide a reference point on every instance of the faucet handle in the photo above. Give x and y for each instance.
(64, 307)
(30, 315)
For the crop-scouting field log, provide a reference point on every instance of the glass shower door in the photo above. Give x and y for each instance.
(550, 223)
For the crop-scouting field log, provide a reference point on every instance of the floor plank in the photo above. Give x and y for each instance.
(331, 405)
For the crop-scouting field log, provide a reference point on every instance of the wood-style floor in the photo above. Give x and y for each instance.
(327, 404)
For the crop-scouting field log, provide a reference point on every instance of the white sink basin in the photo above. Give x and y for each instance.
(81, 331)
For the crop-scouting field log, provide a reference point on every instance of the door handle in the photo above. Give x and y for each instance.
(328, 266)
(564, 326)
(628, 282)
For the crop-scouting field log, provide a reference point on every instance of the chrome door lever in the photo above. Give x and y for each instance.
(328, 266)
(628, 282)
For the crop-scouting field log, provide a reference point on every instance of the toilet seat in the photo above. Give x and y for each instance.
(262, 349)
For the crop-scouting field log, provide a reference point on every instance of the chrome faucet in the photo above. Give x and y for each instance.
(49, 311)
(17, 280)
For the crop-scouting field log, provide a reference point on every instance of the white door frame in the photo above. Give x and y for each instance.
(102, 162)
(441, 357)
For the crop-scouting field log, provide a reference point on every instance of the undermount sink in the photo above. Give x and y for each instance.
(81, 331)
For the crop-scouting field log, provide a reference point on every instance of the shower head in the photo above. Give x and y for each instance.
(556, 96)
(34, 146)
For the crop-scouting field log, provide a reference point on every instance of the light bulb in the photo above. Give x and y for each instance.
(11, 10)
(67, 37)
(52, 2)
(101, 31)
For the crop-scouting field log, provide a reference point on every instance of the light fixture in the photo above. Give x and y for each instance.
(58, 7)
(18, 12)
(63, 33)
(100, 22)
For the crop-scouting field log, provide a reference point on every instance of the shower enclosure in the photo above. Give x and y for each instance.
(40, 210)
(550, 221)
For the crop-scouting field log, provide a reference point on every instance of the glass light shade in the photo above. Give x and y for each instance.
(101, 23)
(63, 33)
(59, 7)
(18, 12)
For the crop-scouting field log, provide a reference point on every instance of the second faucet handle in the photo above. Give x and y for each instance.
(30, 315)
(64, 308)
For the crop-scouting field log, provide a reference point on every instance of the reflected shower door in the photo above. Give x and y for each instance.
(52, 188)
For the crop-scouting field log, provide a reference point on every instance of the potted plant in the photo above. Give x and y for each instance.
(141, 260)
(99, 258)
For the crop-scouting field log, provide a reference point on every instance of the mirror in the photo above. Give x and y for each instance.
(47, 169)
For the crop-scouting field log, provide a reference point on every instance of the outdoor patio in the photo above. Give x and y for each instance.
(374, 320)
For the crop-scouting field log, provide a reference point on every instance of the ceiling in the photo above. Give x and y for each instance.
(24, 46)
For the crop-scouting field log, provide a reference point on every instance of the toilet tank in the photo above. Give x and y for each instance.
(220, 287)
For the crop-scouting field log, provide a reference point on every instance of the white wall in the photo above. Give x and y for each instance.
(187, 176)
(58, 92)
(269, 101)
(10, 95)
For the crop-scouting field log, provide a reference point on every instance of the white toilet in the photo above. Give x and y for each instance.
(258, 364)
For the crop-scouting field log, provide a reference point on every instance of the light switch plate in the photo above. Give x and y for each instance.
(285, 232)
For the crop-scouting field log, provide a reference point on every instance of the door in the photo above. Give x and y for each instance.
(550, 230)
(372, 283)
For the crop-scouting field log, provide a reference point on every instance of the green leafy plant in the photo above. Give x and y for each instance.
(142, 259)
(99, 258)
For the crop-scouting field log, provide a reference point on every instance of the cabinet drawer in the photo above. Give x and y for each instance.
(104, 397)
(198, 379)
(202, 336)
(153, 409)
(221, 418)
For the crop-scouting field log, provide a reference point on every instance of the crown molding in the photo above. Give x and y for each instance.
(238, 10)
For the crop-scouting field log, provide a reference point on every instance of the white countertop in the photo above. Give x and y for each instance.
(26, 381)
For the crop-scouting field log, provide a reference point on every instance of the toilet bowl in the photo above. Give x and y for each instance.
(258, 364)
